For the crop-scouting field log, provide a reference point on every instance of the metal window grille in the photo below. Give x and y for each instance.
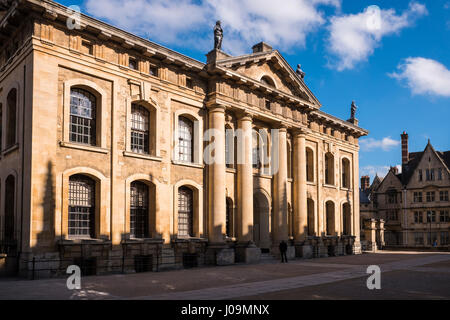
(139, 129)
(139, 218)
(81, 206)
(185, 212)
(185, 140)
(82, 117)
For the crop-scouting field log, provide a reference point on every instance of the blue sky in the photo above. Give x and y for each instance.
(392, 59)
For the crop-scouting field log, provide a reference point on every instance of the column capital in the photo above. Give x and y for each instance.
(244, 116)
(298, 132)
(216, 108)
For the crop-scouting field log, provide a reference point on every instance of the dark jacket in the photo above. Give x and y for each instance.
(283, 246)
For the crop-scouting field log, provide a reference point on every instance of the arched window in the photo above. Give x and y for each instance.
(345, 173)
(329, 168)
(311, 220)
(139, 210)
(309, 165)
(11, 114)
(329, 208)
(10, 208)
(140, 123)
(81, 206)
(346, 219)
(268, 81)
(185, 140)
(289, 160)
(185, 212)
(229, 218)
(229, 147)
(256, 146)
(83, 111)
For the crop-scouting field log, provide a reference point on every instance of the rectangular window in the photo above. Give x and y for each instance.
(418, 238)
(418, 217)
(431, 216)
(432, 174)
(440, 174)
(430, 196)
(444, 238)
(154, 71)
(87, 48)
(444, 216)
(443, 195)
(420, 175)
(267, 104)
(189, 83)
(417, 196)
(393, 215)
(132, 64)
(140, 119)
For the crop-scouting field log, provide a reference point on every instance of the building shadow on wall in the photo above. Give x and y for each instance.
(45, 238)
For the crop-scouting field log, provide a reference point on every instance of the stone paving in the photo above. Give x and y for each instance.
(326, 278)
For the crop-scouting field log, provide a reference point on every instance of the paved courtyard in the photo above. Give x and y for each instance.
(405, 275)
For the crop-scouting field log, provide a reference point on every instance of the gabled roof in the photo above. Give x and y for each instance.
(273, 56)
(415, 158)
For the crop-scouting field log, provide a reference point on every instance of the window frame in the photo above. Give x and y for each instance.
(79, 121)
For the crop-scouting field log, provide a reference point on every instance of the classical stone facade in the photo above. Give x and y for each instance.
(103, 146)
(414, 203)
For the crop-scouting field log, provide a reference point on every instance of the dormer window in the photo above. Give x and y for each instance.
(268, 81)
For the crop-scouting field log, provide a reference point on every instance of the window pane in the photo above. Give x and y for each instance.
(82, 116)
(140, 118)
(185, 140)
(81, 206)
(185, 212)
(139, 218)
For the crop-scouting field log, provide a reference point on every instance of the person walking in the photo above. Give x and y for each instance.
(283, 249)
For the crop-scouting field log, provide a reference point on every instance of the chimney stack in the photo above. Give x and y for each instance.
(365, 183)
(405, 153)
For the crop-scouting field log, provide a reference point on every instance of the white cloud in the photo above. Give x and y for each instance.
(354, 37)
(381, 171)
(424, 76)
(385, 144)
(245, 23)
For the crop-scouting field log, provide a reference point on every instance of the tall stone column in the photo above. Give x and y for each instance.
(216, 177)
(246, 251)
(300, 196)
(303, 249)
(217, 252)
(245, 179)
(280, 225)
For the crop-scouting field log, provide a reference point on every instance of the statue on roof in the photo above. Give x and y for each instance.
(353, 110)
(300, 72)
(218, 36)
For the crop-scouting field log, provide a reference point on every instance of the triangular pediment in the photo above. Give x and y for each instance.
(390, 181)
(270, 68)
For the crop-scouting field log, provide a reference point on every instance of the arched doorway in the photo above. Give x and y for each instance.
(346, 219)
(261, 220)
(229, 218)
(311, 219)
(10, 190)
(329, 209)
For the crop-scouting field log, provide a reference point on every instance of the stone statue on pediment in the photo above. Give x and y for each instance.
(218, 36)
(353, 110)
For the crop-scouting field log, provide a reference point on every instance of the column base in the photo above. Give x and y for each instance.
(247, 254)
(340, 249)
(357, 247)
(304, 251)
(219, 255)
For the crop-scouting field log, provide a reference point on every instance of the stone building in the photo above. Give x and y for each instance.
(103, 144)
(414, 203)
